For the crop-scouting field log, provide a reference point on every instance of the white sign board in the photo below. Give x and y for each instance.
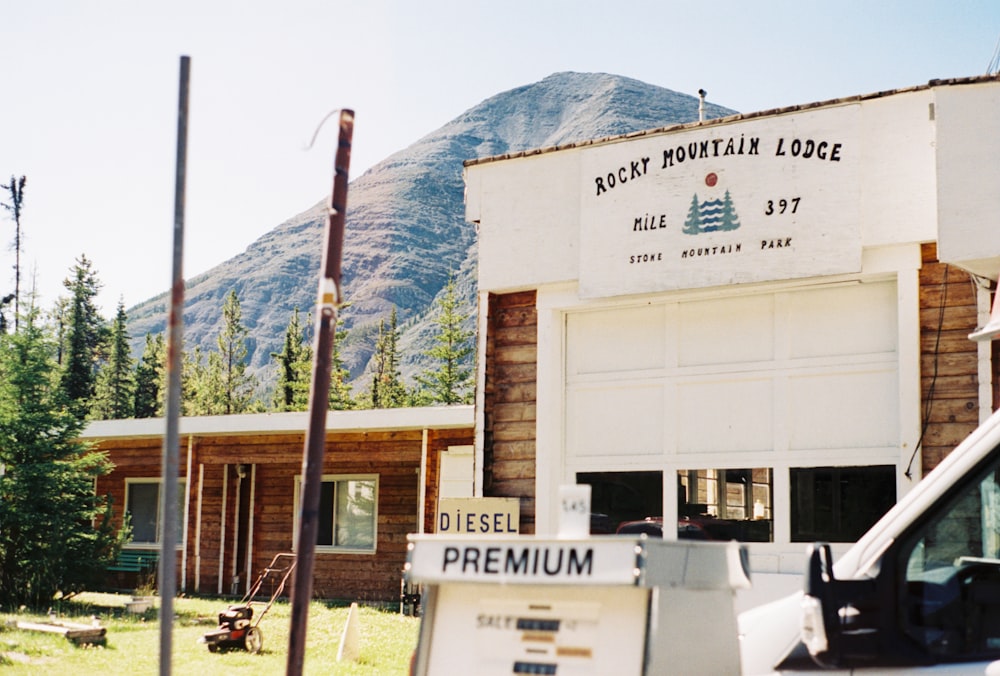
(524, 561)
(760, 200)
(489, 630)
(497, 516)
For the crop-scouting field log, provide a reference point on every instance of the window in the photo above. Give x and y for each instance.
(347, 513)
(725, 504)
(949, 573)
(142, 504)
(838, 504)
(620, 497)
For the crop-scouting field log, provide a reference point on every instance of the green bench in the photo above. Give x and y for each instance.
(135, 561)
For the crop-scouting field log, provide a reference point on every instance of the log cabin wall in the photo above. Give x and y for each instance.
(509, 401)
(949, 378)
(261, 472)
(134, 460)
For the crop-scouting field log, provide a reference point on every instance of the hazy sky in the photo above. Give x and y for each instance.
(88, 97)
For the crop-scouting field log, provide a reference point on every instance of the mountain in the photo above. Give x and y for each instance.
(405, 227)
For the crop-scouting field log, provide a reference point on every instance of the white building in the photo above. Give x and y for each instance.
(756, 326)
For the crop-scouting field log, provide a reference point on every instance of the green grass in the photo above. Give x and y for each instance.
(132, 646)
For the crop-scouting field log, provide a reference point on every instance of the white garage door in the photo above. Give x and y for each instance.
(807, 376)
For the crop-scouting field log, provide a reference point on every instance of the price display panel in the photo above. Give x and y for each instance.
(490, 630)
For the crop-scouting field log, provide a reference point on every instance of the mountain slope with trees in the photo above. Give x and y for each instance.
(406, 233)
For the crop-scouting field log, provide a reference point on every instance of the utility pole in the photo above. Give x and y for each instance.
(171, 442)
(329, 298)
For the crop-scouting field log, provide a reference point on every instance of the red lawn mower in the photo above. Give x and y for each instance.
(238, 628)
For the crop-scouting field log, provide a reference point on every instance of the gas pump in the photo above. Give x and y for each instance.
(625, 605)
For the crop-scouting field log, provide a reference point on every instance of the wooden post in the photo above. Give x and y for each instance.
(328, 300)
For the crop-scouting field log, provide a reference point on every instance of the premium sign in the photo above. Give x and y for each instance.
(767, 199)
(499, 516)
(524, 560)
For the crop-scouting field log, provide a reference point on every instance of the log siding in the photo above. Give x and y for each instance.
(273, 463)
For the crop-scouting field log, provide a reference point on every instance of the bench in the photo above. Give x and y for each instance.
(135, 561)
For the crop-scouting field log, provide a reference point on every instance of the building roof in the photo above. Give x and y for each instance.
(369, 420)
(737, 118)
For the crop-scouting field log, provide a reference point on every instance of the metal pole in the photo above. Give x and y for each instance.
(167, 583)
(329, 298)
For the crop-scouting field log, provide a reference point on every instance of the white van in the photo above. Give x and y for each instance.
(919, 593)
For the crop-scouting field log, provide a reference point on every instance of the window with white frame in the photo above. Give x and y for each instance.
(725, 504)
(348, 511)
(142, 505)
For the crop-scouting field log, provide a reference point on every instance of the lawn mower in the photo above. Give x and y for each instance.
(238, 628)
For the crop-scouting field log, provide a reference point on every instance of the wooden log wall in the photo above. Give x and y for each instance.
(509, 405)
(949, 380)
(134, 459)
(272, 463)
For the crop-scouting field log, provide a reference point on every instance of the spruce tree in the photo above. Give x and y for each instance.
(387, 389)
(692, 226)
(237, 384)
(114, 395)
(55, 533)
(16, 191)
(221, 385)
(84, 333)
(451, 381)
(149, 374)
(294, 361)
(340, 389)
(199, 388)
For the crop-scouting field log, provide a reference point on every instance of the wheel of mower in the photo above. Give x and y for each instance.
(254, 640)
(213, 647)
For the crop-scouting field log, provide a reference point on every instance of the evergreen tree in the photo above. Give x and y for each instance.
(85, 334)
(16, 191)
(114, 393)
(237, 384)
(55, 533)
(340, 389)
(222, 386)
(450, 382)
(294, 369)
(199, 390)
(60, 313)
(692, 226)
(730, 219)
(387, 389)
(149, 375)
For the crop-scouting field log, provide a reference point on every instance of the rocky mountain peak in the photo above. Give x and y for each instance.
(405, 228)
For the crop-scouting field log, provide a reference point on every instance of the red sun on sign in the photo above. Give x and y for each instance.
(711, 180)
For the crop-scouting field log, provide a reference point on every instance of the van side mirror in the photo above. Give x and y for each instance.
(839, 617)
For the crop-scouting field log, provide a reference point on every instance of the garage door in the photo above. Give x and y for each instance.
(804, 376)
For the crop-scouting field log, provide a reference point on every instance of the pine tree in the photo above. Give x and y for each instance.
(16, 191)
(692, 226)
(730, 219)
(387, 389)
(114, 394)
(85, 334)
(450, 382)
(221, 385)
(149, 374)
(55, 533)
(237, 384)
(340, 389)
(294, 369)
(199, 388)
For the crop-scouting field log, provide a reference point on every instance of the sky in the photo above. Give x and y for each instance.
(89, 92)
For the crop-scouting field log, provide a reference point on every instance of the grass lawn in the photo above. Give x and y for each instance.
(132, 645)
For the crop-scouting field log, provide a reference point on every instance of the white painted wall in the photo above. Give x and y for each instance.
(927, 162)
(808, 370)
(968, 167)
